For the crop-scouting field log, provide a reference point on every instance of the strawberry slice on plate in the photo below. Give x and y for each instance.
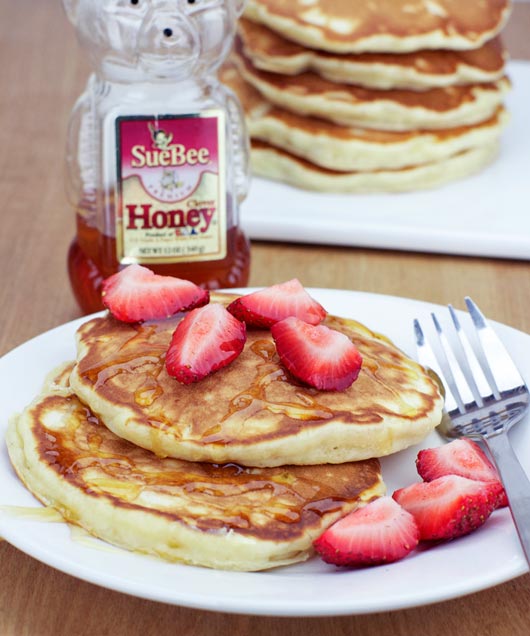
(136, 294)
(380, 532)
(449, 506)
(317, 355)
(268, 306)
(205, 340)
(462, 457)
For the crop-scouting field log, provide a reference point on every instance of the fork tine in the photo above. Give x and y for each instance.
(454, 373)
(476, 378)
(427, 358)
(504, 373)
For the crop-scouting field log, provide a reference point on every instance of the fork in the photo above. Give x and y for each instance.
(483, 400)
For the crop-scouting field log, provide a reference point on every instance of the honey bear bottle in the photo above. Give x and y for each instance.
(157, 152)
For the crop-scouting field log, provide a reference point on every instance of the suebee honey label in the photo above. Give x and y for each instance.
(171, 188)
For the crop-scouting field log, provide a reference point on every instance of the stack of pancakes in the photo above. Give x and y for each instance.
(371, 95)
(242, 470)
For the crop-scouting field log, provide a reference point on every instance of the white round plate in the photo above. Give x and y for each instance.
(489, 556)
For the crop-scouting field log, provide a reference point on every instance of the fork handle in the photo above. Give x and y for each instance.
(516, 484)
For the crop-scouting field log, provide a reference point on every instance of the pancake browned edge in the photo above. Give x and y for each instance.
(224, 517)
(390, 26)
(252, 412)
(418, 70)
(274, 163)
(350, 105)
(350, 149)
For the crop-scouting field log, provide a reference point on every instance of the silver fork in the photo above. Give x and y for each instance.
(483, 400)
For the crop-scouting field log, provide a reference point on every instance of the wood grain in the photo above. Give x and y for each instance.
(43, 72)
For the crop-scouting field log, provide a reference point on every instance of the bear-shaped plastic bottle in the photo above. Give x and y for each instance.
(157, 148)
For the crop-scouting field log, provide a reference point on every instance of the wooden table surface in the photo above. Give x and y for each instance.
(43, 71)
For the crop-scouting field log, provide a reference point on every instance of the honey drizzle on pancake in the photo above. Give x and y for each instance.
(137, 353)
(265, 502)
(250, 402)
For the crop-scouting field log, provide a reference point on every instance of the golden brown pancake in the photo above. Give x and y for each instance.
(392, 26)
(419, 70)
(400, 110)
(220, 516)
(252, 412)
(274, 163)
(347, 149)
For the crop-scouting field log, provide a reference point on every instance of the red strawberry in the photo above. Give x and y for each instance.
(206, 340)
(317, 355)
(380, 532)
(266, 307)
(449, 506)
(136, 294)
(460, 457)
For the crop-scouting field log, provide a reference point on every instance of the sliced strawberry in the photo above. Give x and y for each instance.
(136, 294)
(380, 532)
(317, 355)
(449, 506)
(206, 340)
(460, 457)
(268, 306)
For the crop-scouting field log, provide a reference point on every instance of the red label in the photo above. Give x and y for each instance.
(171, 188)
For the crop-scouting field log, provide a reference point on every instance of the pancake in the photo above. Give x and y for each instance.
(400, 110)
(390, 26)
(251, 412)
(419, 70)
(348, 149)
(225, 517)
(279, 165)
